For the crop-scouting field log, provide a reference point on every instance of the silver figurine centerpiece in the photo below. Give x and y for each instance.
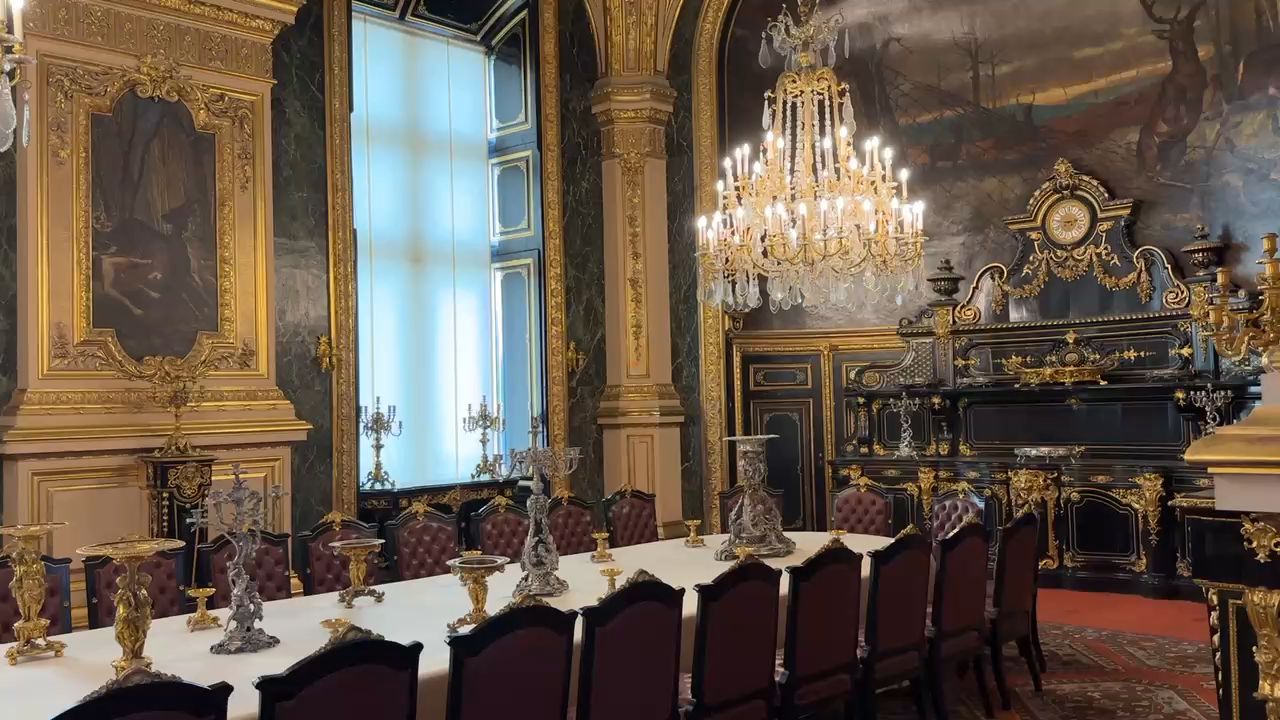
(905, 406)
(755, 522)
(238, 512)
(540, 560)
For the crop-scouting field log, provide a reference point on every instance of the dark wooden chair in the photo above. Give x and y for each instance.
(516, 664)
(57, 599)
(148, 695)
(168, 586)
(1012, 615)
(950, 511)
(420, 542)
(500, 528)
(630, 663)
(572, 521)
(824, 611)
(632, 517)
(269, 568)
(958, 631)
(364, 678)
(861, 511)
(894, 645)
(323, 571)
(729, 500)
(735, 644)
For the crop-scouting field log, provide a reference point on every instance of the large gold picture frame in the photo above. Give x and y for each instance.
(77, 91)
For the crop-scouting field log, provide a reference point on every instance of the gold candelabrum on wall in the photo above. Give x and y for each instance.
(1240, 325)
(378, 426)
(31, 631)
(486, 422)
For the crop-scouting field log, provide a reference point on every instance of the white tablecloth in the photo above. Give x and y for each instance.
(42, 687)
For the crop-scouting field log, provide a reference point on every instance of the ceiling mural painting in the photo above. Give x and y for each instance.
(1176, 105)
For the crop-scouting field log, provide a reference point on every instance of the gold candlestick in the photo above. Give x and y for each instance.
(601, 554)
(839, 533)
(28, 587)
(133, 603)
(611, 573)
(202, 619)
(356, 551)
(694, 539)
(474, 569)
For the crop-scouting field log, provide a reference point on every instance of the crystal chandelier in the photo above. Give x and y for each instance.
(813, 212)
(11, 60)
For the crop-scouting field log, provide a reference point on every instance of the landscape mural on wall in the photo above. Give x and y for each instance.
(1176, 105)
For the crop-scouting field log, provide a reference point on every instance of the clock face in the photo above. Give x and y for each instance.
(1068, 221)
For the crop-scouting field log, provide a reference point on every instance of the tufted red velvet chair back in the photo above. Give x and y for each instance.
(630, 665)
(824, 611)
(57, 599)
(500, 528)
(861, 512)
(322, 570)
(960, 590)
(897, 604)
(572, 522)
(269, 568)
(366, 678)
(735, 644)
(421, 541)
(730, 498)
(632, 517)
(161, 699)
(1017, 565)
(167, 589)
(950, 512)
(516, 664)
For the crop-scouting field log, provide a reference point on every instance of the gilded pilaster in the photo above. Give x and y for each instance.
(640, 411)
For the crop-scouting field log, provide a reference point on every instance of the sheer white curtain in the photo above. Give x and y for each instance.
(419, 171)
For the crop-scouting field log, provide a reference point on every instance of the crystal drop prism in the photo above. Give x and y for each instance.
(846, 42)
(764, 52)
(765, 120)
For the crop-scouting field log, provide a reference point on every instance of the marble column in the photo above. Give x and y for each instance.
(640, 411)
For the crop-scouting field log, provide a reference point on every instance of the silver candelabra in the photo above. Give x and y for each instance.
(239, 514)
(377, 427)
(755, 522)
(904, 406)
(1211, 402)
(540, 560)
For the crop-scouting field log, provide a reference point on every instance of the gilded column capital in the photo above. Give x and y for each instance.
(633, 118)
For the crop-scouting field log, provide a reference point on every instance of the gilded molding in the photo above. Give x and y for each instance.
(221, 39)
(633, 38)
(1263, 607)
(650, 392)
(342, 279)
(553, 224)
(633, 165)
(712, 321)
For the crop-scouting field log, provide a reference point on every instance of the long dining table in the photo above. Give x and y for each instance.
(41, 687)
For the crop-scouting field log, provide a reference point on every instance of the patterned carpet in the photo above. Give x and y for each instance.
(1093, 675)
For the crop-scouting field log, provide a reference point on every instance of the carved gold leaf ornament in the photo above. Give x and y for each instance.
(1260, 536)
(1263, 608)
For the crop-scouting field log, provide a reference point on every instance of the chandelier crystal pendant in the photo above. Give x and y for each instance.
(813, 212)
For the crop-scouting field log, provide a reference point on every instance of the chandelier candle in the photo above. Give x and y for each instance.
(806, 213)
